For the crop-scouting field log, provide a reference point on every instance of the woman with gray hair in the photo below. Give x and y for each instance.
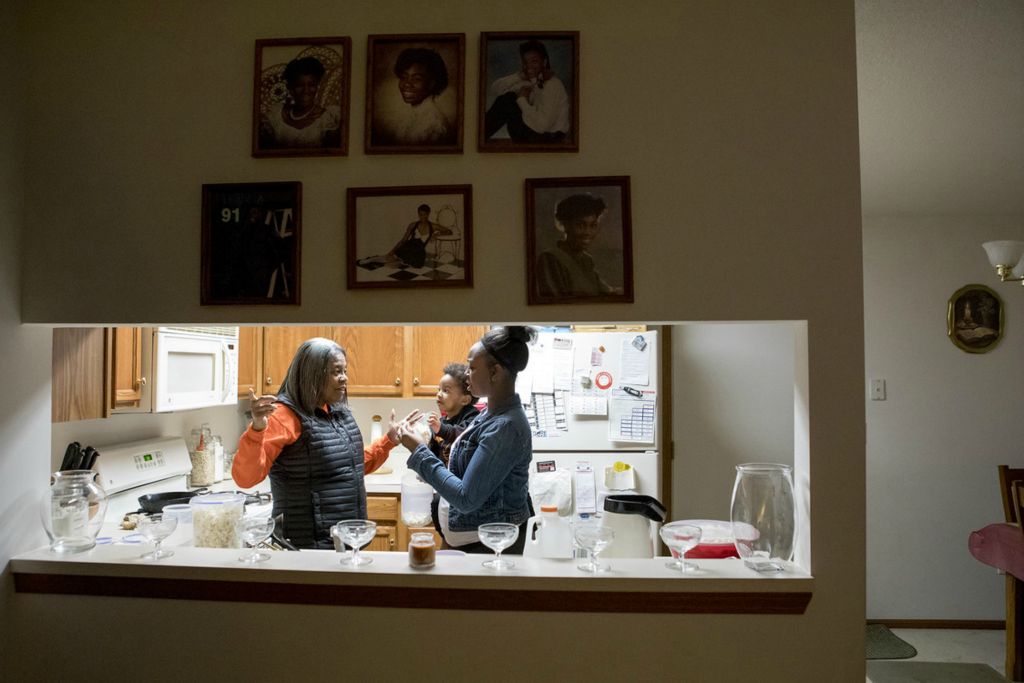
(306, 439)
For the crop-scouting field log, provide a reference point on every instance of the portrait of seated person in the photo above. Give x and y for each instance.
(412, 113)
(300, 121)
(412, 248)
(530, 104)
(567, 269)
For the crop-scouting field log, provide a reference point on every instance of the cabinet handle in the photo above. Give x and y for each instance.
(268, 380)
(398, 381)
(415, 381)
(141, 381)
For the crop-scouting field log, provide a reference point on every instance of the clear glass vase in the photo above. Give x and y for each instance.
(763, 514)
(72, 511)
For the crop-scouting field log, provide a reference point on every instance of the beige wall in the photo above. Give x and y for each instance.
(738, 126)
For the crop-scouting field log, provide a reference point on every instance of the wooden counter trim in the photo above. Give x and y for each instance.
(794, 602)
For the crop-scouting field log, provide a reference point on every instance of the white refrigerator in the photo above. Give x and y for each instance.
(592, 400)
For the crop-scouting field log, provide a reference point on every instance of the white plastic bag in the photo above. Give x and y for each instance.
(552, 488)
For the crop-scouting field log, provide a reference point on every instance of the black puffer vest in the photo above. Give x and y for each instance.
(318, 480)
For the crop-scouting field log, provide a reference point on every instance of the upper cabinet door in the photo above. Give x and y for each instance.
(375, 359)
(126, 370)
(435, 347)
(78, 384)
(279, 347)
(250, 361)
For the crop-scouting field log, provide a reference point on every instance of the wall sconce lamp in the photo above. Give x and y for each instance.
(1005, 256)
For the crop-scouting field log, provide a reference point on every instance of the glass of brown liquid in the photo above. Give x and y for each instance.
(422, 550)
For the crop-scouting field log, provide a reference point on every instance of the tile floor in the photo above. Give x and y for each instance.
(955, 645)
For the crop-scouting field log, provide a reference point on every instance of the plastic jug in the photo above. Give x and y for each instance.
(416, 498)
(548, 535)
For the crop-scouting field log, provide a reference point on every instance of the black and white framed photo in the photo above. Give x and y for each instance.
(410, 237)
(251, 243)
(974, 319)
(529, 92)
(301, 97)
(579, 243)
(414, 93)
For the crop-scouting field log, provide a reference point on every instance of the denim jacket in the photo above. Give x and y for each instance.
(489, 470)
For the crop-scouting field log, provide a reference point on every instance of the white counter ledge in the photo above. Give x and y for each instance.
(456, 582)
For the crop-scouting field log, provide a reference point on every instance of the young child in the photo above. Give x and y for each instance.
(454, 399)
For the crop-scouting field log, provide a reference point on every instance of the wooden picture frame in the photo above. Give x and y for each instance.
(383, 224)
(251, 244)
(974, 319)
(529, 92)
(579, 240)
(284, 126)
(415, 93)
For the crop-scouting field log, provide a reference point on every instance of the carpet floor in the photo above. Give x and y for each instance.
(931, 672)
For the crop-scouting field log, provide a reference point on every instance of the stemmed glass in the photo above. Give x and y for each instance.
(497, 536)
(253, 531)
(680, 537)
(155, 528)
(593, 538)
(355, 533)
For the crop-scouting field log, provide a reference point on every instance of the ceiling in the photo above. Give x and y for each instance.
(941, 90)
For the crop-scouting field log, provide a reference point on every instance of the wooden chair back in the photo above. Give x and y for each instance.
(1009, 477)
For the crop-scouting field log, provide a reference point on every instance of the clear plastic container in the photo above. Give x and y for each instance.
(416, 498)
(548, 535)
(213, 519)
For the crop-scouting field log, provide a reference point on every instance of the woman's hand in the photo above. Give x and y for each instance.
(434, 421)
(411, 437)
(261, 407)
(395, 428)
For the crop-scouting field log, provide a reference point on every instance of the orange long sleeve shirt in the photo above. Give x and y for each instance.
(257, 451)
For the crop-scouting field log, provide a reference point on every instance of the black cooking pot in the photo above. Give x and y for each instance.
(155, 502)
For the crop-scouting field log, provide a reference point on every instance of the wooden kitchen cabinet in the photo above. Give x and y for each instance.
(431, 348)
(383, 360)
(384, 509)
(77, 366)
(126, 378)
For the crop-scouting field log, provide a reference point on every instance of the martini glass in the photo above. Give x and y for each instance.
(253, 531)
(594, 538)
(155, 528)
(497, 536)
(355, 533)
(680, 537)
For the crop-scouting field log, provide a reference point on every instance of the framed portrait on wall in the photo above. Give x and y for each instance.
(579, 244)
(974, 319)
(414, 93)
(301, 97)
(410, 237)
(529, 92)
(251, 243)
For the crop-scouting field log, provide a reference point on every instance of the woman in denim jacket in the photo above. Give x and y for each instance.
(487, 475)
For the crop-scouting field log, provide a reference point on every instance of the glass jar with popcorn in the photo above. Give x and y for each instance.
(213, 519)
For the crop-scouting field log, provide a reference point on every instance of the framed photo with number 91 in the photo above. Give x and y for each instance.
(251, 243)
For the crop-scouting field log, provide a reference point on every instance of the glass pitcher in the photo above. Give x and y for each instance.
(72, 511)
(763, 513)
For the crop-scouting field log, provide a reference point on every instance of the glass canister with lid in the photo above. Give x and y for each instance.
(72, 510)
(213, 519)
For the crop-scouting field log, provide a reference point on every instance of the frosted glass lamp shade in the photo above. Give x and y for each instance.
(1004, 252)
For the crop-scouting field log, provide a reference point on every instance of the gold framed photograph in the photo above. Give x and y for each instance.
(974, 319)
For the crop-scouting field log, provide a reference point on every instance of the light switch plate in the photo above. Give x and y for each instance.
(878, 390)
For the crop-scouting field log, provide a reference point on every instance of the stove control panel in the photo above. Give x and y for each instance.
(149, 461)
(126, 466)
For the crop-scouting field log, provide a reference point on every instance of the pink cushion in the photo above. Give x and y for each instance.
(1001, 546)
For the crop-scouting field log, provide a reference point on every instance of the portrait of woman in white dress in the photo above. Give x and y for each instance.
(301, 106)
(414, 96)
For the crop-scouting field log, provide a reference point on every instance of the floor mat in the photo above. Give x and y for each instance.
(881, 643)
(932, 672)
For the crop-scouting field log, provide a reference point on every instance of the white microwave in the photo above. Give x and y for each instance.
(194, 367)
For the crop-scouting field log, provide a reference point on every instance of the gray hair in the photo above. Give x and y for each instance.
(304, 381)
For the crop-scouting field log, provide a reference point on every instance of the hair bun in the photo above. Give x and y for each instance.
(521, 333)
